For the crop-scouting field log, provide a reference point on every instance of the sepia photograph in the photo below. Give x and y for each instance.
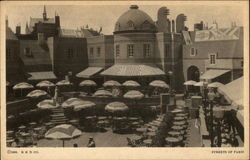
(139, 75)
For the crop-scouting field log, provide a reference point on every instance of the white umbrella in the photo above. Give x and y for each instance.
(215, 85)
(111, 83)
(159, 83)
(189, 83)
(48, 104)
(45, 84)
(37, 93)
(63, 83)
(22, 85)
(102, 93)
(199, 84)
(131, 83)
(71, 102)
(84, 105)
(133, 94)
(116, 107)
(63, 131)
(87, 83)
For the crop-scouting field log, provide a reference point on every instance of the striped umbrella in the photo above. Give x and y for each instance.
(23, 85)
(189, 83)
(111, 83)
(215, 85)
(87, 83)
(159, 83)
(36, 93)
(84, 105)
(45, 84)
(133, 94)
(47, 104)
(131, 83)
(63, 131)
(63, 83)
(116, 107)
(71, 102)
(102, 93)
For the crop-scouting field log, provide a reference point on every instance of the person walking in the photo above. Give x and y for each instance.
(91, 142)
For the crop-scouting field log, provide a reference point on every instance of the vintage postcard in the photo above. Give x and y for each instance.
(124, 80)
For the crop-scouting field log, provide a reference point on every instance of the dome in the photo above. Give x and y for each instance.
(135, 20)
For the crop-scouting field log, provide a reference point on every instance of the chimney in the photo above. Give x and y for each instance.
(18, 30)
(57, 20)
(173, 26)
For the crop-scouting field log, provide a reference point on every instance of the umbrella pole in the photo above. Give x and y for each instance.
(63, 143)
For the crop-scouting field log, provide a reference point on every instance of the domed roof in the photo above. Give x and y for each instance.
(135, 20)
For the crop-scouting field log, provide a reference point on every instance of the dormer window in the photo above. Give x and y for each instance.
(131, 25)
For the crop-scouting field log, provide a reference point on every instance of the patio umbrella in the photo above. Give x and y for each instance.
(199, 84)
(111, 83)
(215, 85)
(47, 104)
(89, 83)
(159, 83)
(84, 105)
(131, 83)
(102, 93)
(116, 107)
(63, 83)
(133, 94)
(63, 131)
(36, 93)
(71, 102)
(189, 83)
(45, 84)
(22, 85)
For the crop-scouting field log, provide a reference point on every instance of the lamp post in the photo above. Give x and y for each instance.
(170, 73)
(211, 96)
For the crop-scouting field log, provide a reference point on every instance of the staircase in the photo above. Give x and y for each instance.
(57, 116)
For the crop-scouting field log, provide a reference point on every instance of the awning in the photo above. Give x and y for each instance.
(127, 70)
(42, 75)
(233, 92)
(88, 72)
(213, 73)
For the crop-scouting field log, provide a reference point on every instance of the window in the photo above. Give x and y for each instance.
(146, 50)
(117, 50)
(70, 53)
(98, 52)
(8, 53)
(91, 52)
(27, 52)
(193, 52)
(167, 51)
(130, 50)
(212, 58)
(131, 25)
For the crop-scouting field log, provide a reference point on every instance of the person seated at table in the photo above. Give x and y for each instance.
(91, 142)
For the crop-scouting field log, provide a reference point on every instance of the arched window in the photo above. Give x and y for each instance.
(146, 25)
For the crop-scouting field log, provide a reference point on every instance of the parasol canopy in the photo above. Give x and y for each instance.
(87, 83)
(71, 102)
(63, 131)
(189, 83)
(199, 84)
(111, 83)
(36, 93)
(63, 83)
(84, 105)
(116, 107)
(23, 85)
(159, 83)
(215, 85)
(133, 94)
(47, 104)
(102, 93)
(45, 84)
(131, 83)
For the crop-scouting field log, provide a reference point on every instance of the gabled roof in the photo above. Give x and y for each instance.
(83, 33)
(10, 35)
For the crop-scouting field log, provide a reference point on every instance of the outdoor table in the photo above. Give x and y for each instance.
(179, 118)
(177, 128)
(151, 134)
(136, 137)
(173, 140)
(174, 133)
(141, 130)
(147, 142)
(180, 107)
(179, 123)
